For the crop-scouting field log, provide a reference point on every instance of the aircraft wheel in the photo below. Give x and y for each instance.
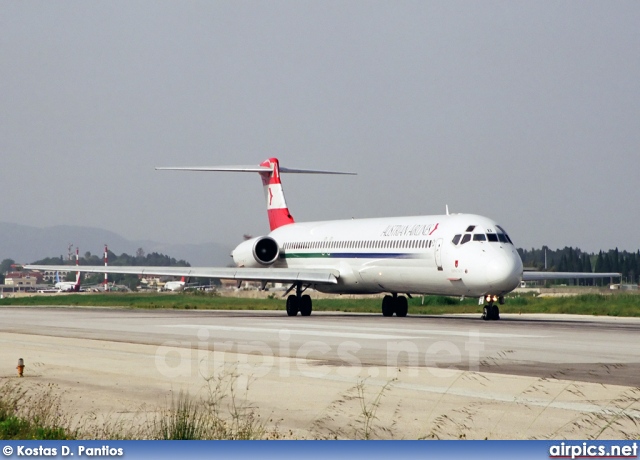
(305, 305)
(495, 313)
(387, 306)
(292, 305)
(486, 313)
(402, 306)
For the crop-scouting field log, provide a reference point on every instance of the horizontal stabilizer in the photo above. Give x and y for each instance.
(258, 169)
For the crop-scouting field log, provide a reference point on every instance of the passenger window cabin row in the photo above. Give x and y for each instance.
(362, 244)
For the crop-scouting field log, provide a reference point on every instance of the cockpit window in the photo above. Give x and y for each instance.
(502, 234)
(470, 228)
(492, 237)
(499, 236)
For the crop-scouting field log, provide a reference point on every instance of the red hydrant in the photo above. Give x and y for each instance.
(20, 367)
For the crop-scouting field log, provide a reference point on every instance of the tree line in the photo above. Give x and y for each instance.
(154, 259)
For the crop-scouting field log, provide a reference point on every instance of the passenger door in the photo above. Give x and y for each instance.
(438, 254)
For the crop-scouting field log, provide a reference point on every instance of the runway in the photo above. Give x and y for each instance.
(521, 377)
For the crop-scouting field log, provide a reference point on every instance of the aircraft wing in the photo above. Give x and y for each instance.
(277, 275)
(541, 276)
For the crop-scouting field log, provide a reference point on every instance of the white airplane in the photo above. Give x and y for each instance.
(462, 255)
(178, 285)
(174, 286)
(68, 286)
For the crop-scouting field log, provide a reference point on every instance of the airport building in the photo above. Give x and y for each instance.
(49, 276)
(23, 279)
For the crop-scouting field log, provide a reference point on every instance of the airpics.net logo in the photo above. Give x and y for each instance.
(587, 450)
(314, 358)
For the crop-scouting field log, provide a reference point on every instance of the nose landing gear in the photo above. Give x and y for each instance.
(491, 312)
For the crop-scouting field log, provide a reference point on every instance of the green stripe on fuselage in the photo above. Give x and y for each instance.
(306, 255)
(348, 255)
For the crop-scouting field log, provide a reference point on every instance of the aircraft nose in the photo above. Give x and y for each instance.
(503, 271)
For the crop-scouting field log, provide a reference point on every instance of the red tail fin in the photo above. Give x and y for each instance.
(277, 209)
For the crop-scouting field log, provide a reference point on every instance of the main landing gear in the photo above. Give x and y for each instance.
(491, 312)
(298, 302)
(395, 304)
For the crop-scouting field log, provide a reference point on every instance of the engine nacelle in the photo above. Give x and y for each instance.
(256, 252)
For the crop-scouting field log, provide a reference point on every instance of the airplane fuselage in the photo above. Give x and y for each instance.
(415, 254)
(66, 286)
(174, 286)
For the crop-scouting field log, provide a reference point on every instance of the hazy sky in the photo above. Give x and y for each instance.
(526, 112)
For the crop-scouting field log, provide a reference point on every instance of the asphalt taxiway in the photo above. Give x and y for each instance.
(448, 377)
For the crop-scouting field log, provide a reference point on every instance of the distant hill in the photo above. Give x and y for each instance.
(26, 244)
